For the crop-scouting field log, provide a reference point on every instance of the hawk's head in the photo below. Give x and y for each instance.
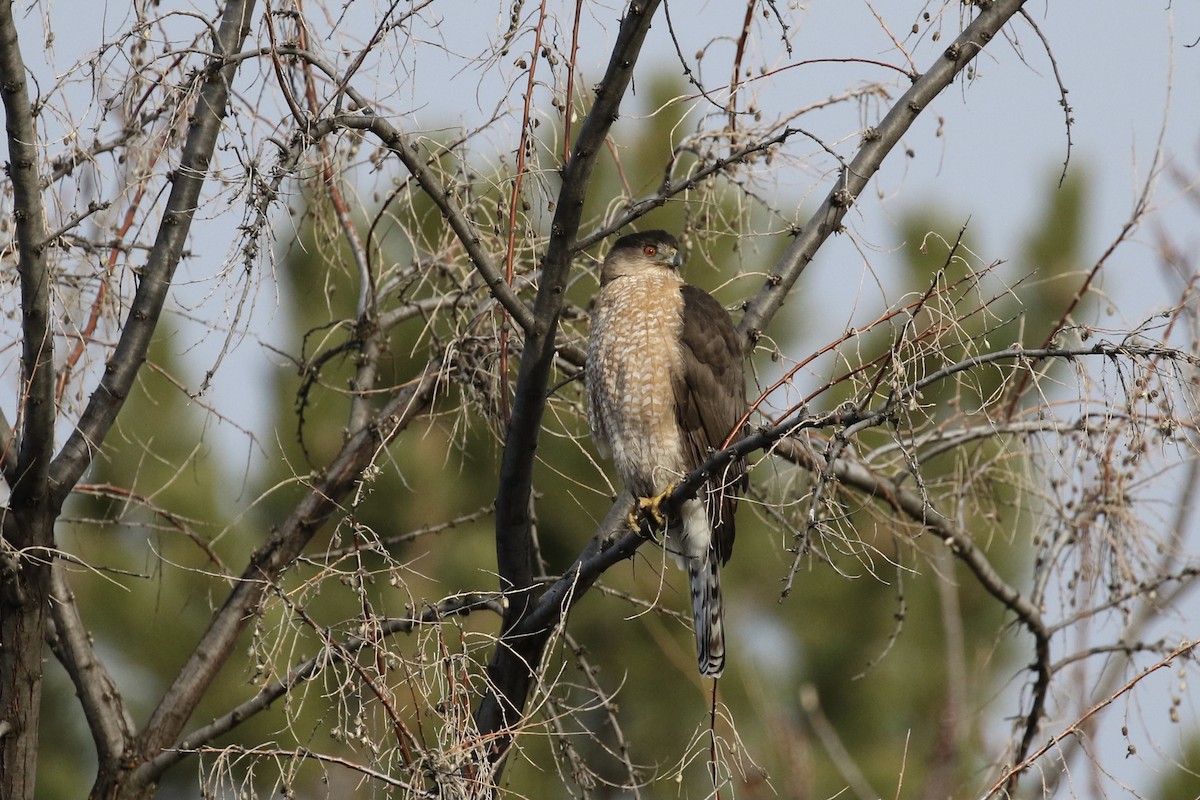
(641, 254)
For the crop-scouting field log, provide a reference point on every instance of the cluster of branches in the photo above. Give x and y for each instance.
(179, 110)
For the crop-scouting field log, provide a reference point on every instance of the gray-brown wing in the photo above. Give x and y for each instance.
(710, 396)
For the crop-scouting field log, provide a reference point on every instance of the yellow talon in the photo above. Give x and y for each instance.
(651, 507)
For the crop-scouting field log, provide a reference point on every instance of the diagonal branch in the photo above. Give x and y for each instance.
(961, 545)
(285, 544)
(855, 420)
(612, 543)
(407, 151)
(139, 326)
(105, 710)
(303, 672)
(827, 219)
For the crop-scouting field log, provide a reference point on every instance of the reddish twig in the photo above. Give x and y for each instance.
(94, 314)
(113, 491)
(514, 200)
(570, 94)
(738, 55)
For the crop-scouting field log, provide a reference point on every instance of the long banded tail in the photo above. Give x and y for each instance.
(704, 575)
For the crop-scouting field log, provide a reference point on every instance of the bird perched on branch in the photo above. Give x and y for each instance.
(666, 389)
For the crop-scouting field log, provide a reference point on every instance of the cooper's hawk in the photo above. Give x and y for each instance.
(666, 387)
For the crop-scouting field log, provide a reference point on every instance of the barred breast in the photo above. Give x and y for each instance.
(632, 353)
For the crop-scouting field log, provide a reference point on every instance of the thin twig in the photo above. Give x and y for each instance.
(1007, 779)
(289, 538)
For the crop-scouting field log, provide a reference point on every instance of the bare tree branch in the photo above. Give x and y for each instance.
(877, 143)
(103, 706)
(36, 442)
(963, 547)
(613, 542)
(130, 353)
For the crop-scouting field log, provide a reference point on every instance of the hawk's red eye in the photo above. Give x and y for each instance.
(650, 250)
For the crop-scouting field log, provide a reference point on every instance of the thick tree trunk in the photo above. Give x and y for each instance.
(24, 593)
